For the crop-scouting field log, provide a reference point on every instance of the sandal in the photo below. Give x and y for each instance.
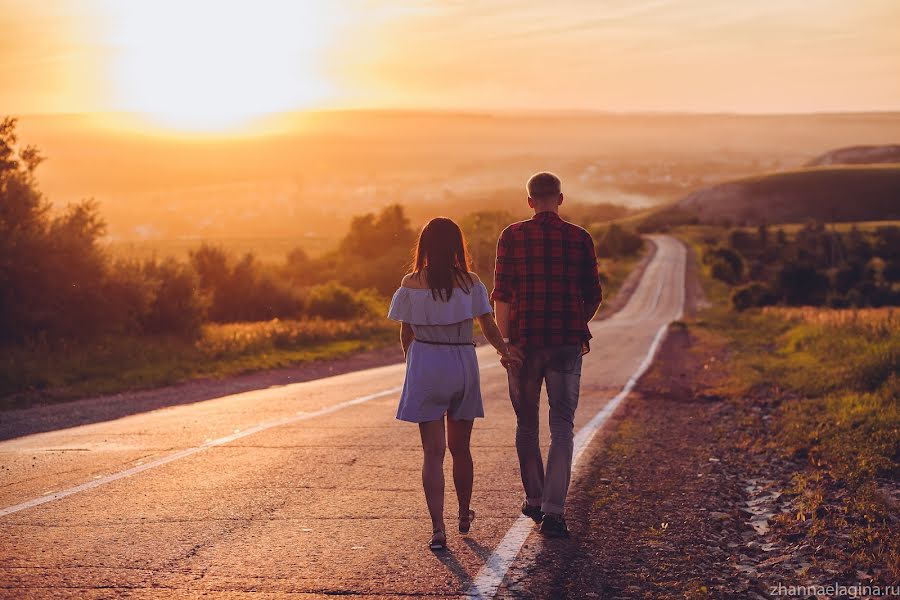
(465, 523)
(438, 540)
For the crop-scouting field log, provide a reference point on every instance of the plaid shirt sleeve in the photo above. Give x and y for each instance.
(504, 271)
(590, 279)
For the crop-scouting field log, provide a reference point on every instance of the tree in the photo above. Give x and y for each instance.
(799, 284)
(52, 270)
(725, 264)
(617, 241)
(482, 230)
(375, 253)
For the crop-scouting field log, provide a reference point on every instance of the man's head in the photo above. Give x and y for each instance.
(544, 192)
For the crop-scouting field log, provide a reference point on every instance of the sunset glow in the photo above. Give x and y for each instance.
(214, 65)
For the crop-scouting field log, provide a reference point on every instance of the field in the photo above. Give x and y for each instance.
(42, 371)
(827, 380)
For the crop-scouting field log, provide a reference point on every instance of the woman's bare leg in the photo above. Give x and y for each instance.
(458, 435)
(434, 445)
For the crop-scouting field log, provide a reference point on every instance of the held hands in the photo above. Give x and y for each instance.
(512, 358)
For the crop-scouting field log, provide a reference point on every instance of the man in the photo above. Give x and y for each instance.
(546, 290)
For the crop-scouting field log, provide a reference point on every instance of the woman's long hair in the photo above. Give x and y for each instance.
(442, 256)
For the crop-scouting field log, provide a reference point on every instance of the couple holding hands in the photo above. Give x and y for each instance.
(546, 290)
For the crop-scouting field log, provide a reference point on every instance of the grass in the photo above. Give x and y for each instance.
(64, 371)
(833, 376)
(791, 228)
(616, 271)
(44, 371)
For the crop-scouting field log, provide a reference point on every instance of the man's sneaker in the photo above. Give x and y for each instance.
(554, 526)
(532, 512)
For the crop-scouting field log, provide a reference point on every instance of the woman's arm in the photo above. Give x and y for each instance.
(493, 335)
(406, 336)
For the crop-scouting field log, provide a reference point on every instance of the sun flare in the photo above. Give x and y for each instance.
(208, 65)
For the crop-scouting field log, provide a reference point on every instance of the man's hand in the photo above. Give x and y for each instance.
(513, 359)
(516, 353)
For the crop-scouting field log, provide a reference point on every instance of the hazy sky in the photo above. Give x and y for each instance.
(192, 59)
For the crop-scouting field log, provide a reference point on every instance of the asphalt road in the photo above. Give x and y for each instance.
(310, 489)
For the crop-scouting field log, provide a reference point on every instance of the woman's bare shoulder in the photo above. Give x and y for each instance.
(414, 281)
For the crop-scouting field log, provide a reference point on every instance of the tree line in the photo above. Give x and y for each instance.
(58, 280)
(816, 266)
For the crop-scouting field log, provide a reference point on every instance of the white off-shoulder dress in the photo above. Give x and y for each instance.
(441, 366)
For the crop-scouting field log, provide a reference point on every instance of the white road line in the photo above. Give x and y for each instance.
(489, 578)
(158, 462)
(300, 416)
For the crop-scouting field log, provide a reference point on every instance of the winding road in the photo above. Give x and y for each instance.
(309, 489)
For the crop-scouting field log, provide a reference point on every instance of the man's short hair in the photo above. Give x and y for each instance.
(544, 186)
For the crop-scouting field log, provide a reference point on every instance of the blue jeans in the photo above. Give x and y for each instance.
(560, 368)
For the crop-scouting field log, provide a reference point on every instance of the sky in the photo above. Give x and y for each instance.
(205, 63)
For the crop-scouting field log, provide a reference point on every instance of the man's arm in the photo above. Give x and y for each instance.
(501, 313)
(504, 287)
(504, 283)
(592, 293)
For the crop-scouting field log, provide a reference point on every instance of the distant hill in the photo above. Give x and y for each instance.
(858, 155)
(841, 193)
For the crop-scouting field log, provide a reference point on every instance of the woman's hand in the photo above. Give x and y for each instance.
(511, 357)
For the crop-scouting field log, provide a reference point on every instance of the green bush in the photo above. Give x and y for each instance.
(244, 290)
(335, 301)
(725, 264)
(616, 242)
(752, 295)
(176, 307)
(801, 285)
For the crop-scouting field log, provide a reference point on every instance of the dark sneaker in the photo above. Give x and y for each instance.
(554, 526)
(532, 512)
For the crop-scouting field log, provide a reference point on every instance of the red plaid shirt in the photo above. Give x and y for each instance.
(546, 271)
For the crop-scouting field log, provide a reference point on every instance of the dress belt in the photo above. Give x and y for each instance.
(445, 343)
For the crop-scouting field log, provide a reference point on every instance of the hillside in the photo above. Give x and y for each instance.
(858, 155)
(841, 193)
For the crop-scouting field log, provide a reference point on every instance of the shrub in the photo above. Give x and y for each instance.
(242, 291)
(176, 307)
(334, 301)
(801, 285)
(725, 264)
(616, 241)
(752, 295)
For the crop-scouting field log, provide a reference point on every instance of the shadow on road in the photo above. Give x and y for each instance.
(455, 567)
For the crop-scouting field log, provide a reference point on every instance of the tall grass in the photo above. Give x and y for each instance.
(828, 351)
(833, 375)
(59, 370)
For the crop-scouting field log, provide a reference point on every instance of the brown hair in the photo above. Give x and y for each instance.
(442, 256)
(543, 186)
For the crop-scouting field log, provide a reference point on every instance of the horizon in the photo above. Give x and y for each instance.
(202, 66)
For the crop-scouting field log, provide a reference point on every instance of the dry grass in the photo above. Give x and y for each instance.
(60, 371)
(875, 319)
(833, 374)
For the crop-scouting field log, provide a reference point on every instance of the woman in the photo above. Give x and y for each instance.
(436, 305)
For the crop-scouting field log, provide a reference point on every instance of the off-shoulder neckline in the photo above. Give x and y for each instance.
(403, 287)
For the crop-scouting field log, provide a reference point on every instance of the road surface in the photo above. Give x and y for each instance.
(310, 489)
